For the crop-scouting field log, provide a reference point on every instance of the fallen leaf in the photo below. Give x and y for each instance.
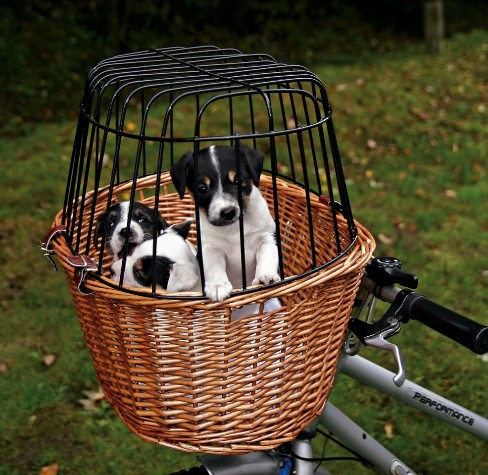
(52, 469)
(383, 238)
(124, 196)
(3, 367)
(371, 144)
(419, 114)
(291, 123)
(93, 400)
(48, 360)
(130, 126)
(375, 184)
(412, 228)
(451, 193)
(389, 430)
(105, 160)
(478, 167)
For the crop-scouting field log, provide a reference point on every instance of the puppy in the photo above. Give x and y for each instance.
(140, 227)
(175, 263)
(222, 177)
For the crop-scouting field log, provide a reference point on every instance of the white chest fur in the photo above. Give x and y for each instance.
(221, 249)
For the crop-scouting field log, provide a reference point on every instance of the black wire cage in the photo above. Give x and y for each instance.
(181, 370)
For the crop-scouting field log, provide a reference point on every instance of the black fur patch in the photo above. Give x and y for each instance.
(250, 165)
(144, 268)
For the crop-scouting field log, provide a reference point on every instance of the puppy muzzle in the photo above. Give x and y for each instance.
(223, 210)
(226, 216)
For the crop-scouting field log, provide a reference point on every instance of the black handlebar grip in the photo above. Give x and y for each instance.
(464, 331)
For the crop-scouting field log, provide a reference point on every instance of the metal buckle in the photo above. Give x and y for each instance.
(83, 265)
(45, 246)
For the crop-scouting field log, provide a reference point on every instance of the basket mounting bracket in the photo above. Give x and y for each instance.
(83, 265)
(45, 246)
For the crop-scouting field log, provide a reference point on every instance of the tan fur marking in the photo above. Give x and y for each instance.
(138, 265)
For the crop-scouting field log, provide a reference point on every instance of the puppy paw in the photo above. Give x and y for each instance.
(218, 291)
(266, 279)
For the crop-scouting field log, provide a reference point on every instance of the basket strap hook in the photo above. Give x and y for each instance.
(45, 246)
(83, 265)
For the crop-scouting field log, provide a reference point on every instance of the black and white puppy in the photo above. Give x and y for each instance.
(140, 227)
(216, 191)
(175, 262)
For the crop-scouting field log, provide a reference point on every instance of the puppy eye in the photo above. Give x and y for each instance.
(239, 181)
(143, 220)
(202, 189)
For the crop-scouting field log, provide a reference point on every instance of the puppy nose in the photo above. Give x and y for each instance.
(123, 232)
(228, 213)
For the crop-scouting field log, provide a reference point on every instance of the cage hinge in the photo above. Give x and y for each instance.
(45, 246)
(83, 265)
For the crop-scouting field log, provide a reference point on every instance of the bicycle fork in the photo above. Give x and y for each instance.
(362, 443)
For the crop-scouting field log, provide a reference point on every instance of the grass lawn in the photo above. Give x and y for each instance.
(413, 133)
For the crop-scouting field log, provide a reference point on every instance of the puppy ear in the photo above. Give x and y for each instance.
(183, 229)
(162, 223)
(254, 161)
(164, 267)
(180, 173)
(143, 270)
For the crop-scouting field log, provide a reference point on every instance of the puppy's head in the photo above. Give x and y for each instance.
(174, 267)
(115, 225)
(222, 176)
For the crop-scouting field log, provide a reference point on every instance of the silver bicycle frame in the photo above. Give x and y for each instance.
(418, 397)
(351, 434)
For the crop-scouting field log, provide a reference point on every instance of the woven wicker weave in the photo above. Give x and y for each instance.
(181, 373)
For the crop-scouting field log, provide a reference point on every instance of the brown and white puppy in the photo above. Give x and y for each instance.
(115, 226)
(174, 267)
(225, 189)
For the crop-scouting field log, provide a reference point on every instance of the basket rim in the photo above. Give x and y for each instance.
(359, 240)
(363, 243)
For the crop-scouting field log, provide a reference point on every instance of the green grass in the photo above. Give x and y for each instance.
(412, 131)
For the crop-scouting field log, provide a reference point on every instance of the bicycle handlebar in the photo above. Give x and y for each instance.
(415, 306)
(461, 329)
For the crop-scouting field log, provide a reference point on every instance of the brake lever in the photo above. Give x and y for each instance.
(379, 341)
(376, 335)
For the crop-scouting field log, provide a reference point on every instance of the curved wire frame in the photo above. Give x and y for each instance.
(141, 111)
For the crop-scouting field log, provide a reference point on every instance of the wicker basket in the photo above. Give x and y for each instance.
(182, 372)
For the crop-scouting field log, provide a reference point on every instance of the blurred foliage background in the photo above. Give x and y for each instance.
(47, 46)
(412, 130)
